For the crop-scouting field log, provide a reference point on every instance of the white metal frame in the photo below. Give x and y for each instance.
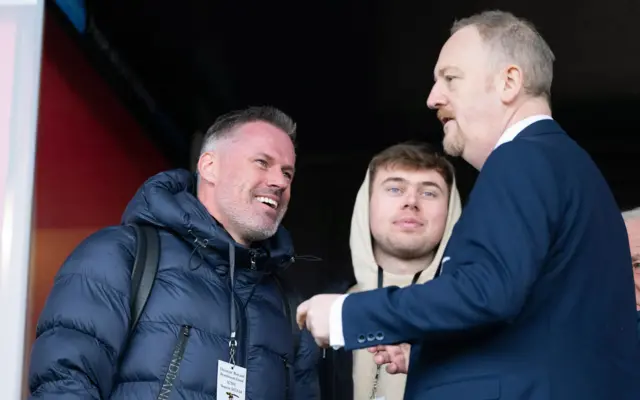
(21, 27)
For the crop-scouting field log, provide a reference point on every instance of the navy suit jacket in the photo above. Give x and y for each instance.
(535, 299)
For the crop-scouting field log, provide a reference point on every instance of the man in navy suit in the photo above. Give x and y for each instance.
(535, 297)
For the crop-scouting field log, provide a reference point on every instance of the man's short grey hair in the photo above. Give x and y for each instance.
(631, 214)
(518, 40)
(225, 125)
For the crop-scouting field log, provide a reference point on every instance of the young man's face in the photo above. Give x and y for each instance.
(408, 211)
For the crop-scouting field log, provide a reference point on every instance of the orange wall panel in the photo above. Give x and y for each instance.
(51, 248)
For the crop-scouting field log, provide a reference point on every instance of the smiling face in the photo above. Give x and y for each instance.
(407, 211)
(247, 181)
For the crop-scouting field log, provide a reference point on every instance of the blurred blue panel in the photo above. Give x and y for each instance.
(75, 11)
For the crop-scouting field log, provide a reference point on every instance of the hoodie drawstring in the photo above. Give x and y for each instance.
(306, 258)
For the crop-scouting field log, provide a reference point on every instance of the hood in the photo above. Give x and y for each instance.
(167, 201)
(364, 264)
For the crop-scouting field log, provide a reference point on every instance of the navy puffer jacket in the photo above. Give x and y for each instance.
(83, 328)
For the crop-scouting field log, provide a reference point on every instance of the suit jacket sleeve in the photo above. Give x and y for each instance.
(496, 253)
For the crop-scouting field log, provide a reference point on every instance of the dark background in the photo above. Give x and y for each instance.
(355, 75)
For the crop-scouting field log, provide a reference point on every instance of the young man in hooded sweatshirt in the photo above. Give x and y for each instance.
(402, 219)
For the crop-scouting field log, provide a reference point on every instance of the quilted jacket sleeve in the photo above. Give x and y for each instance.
(307, 386)
(84, 323)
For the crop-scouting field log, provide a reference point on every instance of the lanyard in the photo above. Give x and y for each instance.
(377, 377)
(381, 277)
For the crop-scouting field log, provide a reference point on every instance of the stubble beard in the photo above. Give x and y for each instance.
(453, 144)
(247, 222)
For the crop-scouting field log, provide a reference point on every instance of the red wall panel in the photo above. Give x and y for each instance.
(91, 157)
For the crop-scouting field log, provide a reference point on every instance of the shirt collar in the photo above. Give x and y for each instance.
(518, 127)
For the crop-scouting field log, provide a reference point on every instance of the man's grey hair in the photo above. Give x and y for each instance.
(225, 125)
(519, 42)
(631, 214)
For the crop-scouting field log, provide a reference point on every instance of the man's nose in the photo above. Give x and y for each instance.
(277, 179)
(411, 199)
(436, 98)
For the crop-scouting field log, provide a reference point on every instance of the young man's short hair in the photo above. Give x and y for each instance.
(413, 156)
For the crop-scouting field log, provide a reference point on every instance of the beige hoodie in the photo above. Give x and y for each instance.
(391, 387)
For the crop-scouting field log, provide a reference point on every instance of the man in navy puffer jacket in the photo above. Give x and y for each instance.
(226, 218)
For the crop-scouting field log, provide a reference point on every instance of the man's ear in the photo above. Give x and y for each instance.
(208, 166)
(512, 83)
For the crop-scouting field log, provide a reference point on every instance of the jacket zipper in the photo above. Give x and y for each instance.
(287, 371)
(243, 329)
(243, 333)
(174, 364)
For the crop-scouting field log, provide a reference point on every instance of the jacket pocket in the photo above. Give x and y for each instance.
(174, 365)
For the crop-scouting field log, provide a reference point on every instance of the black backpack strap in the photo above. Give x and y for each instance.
(144, 270)
(290, 302)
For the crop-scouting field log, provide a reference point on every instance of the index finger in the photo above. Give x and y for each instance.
(301, 313)
(375, 349)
